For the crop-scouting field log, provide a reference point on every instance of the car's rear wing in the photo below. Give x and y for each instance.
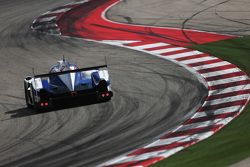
(70, 71)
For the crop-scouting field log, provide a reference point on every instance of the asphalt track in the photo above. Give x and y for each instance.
(221, 16)
(151, 96)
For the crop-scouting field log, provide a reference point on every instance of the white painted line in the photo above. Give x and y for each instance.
(117, 42)
(198, 60)
(160, 51)
(170, 152)
(218, 111)
(220, 121)
(125, 159)
(145, 156)
(229, 89)
(167, 141)
(186, 138)
(142, 157)
(113, 161)
(186, 54)
(221, 72)
(226, 99)
(227, 80)
(218, 64)
(150, 46)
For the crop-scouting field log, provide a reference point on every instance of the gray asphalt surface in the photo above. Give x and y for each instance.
(150, 96)
(243, 163)
(222, 16)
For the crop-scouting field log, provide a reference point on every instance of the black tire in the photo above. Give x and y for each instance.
(26, 97)
(36, 108)
(102, 86)
(107, 99)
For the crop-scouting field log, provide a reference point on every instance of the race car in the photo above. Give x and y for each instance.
(67, 82)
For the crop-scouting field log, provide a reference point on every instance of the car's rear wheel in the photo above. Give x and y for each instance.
(102, 86)
(27, 96)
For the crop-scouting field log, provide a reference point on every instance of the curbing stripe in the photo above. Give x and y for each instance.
(203, 63)
(228, 90)
(192, 131)
(138, 163)
(208, 70)
(192, 57)
(216, 64)
(160, 47)
(222, 72)
(166, 54)
(232, 109)
(161, 148)
(229, 94)
(211, 117)
(224, 76)
(199, 60)
(161, 51)
(223, 105)
(186, 54)
(168, 141)
(177, 139)
(153, 45)
(226, 99)
(138, 43)
(227, 80)
(204, 123)
(231, 84)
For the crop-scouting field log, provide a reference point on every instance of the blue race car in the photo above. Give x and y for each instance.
(65, 82)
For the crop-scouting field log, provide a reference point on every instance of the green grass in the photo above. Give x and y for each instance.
(232, 143)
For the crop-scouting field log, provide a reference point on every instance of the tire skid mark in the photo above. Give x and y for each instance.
(231, 20)
(197, 13)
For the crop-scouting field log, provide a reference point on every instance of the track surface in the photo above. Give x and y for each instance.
(222, 16)
(151, 96)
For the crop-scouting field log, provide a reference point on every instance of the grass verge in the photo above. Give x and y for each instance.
(232, 143)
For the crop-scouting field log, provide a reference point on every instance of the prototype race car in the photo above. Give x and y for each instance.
(65, 82)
